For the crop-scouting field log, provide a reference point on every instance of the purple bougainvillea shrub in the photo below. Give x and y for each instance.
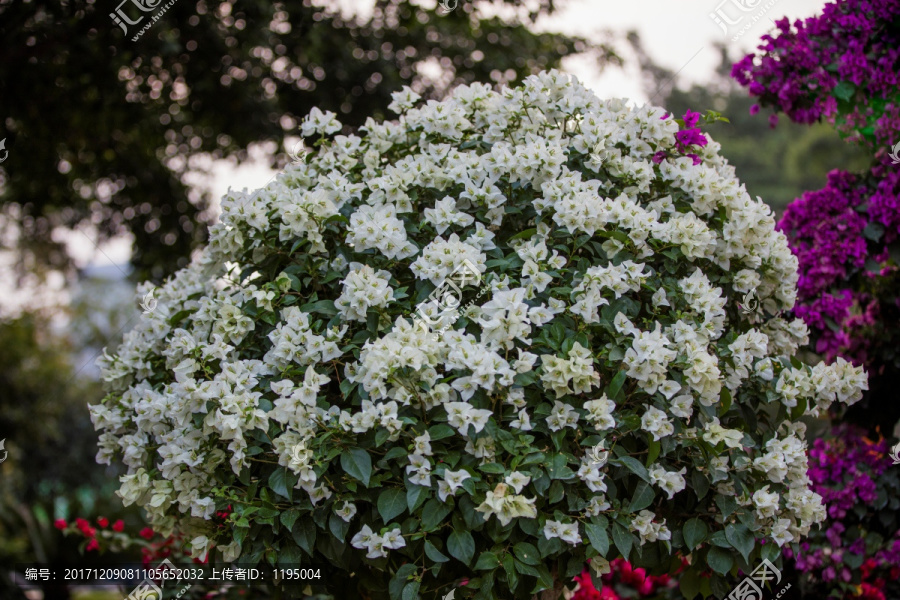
(843, 67)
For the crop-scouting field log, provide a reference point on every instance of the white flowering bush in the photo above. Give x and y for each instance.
(596, 392)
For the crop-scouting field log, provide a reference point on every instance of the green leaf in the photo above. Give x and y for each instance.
(487, 561)
(598, 538)
(719, 560)
(357, 463)
(495, 468)
(289, 517)
(695, 532)
(689, 584)
(844, 90)
(653, 451)
(391, 503)
(441, 431)
(727, 504)
(635, 467)
(338, 527)
(304, 533)
(433, 514)
(643, 497)
(509, 567)
(178, 317)
(740, 538)
(526, 569)
(411, 591)
(323, 307)
(622, 539)
(615, 386)
(282, 483)
(523, 235)
(461, 546)
(700, 484)
(289, 556)
(415, 497)
(399, 580)
(434, 554)
(526, 553)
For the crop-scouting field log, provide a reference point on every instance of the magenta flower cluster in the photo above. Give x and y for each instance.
(858, 550)
(842, 61)
(686, 140)
(842, 66)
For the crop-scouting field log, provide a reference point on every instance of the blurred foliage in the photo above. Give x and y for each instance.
(50, 471)
(101, 129)
(777, 165)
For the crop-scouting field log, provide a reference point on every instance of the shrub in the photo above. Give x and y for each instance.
(857, 552)
(841, 66)
(597, 393)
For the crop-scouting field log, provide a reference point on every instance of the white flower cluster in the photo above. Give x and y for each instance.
(607, 308)
(364, 289)
(505, 506)
(572, 375)
(376, 546)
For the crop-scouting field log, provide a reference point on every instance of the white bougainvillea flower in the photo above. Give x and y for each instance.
(589, 274)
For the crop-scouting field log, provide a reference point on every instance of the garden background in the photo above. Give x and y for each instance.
(117, 152)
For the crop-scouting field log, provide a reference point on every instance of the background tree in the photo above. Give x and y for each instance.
(102, 129)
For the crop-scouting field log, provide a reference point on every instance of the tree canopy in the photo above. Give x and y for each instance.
(101, 126)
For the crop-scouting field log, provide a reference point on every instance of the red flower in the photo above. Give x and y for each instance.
(119, 525)
(92, 545)
(103, 522)
(60, 524)
(586, 589)
(146, 533)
